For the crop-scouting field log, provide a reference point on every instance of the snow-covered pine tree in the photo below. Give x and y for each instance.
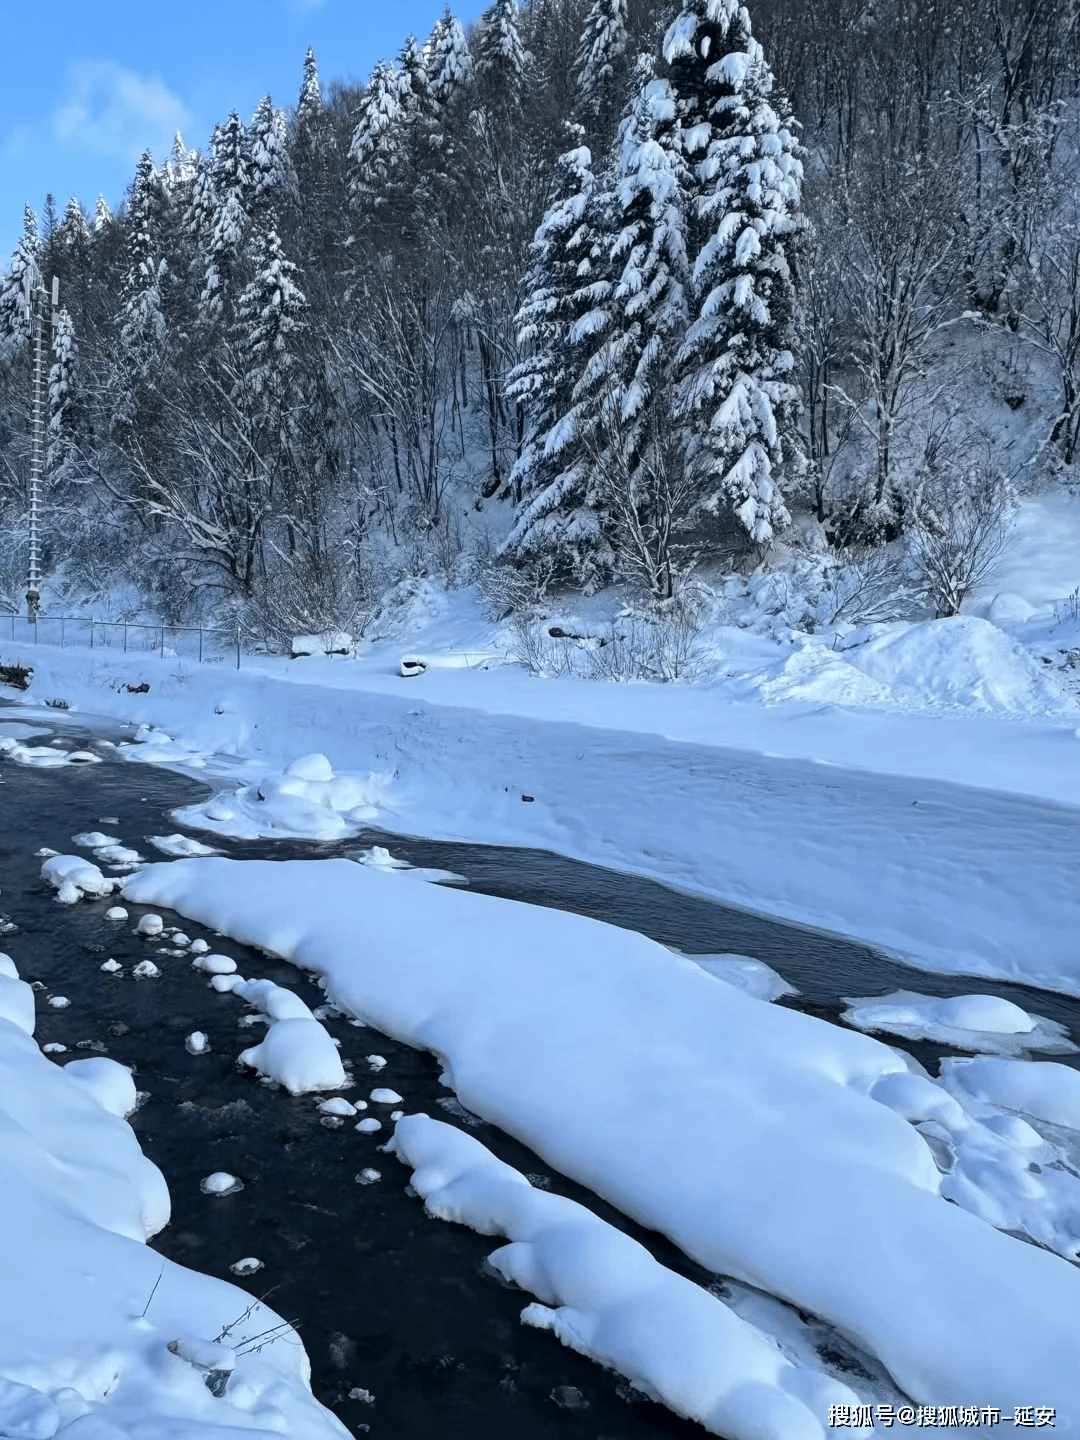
(14, 320)
(74, 233)
(600, 51)
(273, 180)
(141, 317)
(637, 472)
(102, 215)
(230, 176)
(371, 148)
(309, 106)
(181, 164)
(449, 63)
(736, 394)
(501, 57)
(198, 220)
(270, 317)
(561, 323)
(62, 398)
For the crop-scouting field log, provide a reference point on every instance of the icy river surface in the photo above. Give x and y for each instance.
(408, 1335)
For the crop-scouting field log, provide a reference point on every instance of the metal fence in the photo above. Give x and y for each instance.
(194, 642)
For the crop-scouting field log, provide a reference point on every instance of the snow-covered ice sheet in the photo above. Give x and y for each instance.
(45, 757)
(985, 1023)
(180, 845)
(88, 1346)
(751, 1134)
(604, 1295)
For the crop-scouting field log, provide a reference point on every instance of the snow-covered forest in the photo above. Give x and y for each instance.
(595, 293)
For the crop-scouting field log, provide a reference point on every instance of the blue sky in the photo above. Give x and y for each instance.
(89, 84)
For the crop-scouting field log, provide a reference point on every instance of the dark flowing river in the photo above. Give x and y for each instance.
(387, 1301)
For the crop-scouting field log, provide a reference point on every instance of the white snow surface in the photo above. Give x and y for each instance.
(178, 845)
(73, 877)
(745, 973)
(296, 1051)
(1042, 1089)
(968, 1022)
(755, 1136)
(78, 1356)
(306, 799)
(604, 1295)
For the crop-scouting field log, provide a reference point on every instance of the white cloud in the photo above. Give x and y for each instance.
(112, 111)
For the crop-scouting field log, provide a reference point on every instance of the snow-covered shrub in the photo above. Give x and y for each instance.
(960, 520)
(658, 642)
(867, 585)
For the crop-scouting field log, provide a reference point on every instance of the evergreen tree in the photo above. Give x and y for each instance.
(141, 319)
(501, 56)
(74, 233)
(371, 150)
(561, 324)
(230, 176)
(449, 63)
(600, 52)
(273, 180)
(62, 398)
(736, 394)
(271, 316)
(102, 215)
(309, 106)
(14, 319)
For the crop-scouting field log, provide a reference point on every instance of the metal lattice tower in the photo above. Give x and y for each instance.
(37, 310)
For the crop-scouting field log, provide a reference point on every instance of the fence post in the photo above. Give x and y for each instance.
(125, 637)
(238, 645)
(91, 632)
(163, 642)
(63, 622)
(200, 644)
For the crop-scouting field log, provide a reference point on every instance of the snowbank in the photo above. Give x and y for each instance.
(750, 1134)
(964, 662)
(306, 799)
(605, 1296)
(968, 1022)
(99, 1337)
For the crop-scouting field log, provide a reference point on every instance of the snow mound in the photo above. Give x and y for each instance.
(45, 756)
(154, 747)
(220, 1183)
(964, 662)
(16, 997)
(180, 845)
(1009, 609)
(73, 877)
(307, 800)
(214, 964)
(603, 1295)
(752, 977)
(298, 1054)
(967, 1022)
(109, 1082)
(1039, 1088)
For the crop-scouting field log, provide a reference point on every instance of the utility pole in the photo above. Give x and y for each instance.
(37, 310)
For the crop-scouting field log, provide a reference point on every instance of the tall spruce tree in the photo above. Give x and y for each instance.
(448, 60)
(561, 325)
(14, 318)
(600, 58)
(736, 394)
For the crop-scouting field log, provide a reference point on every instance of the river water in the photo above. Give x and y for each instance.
(387, 1301)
